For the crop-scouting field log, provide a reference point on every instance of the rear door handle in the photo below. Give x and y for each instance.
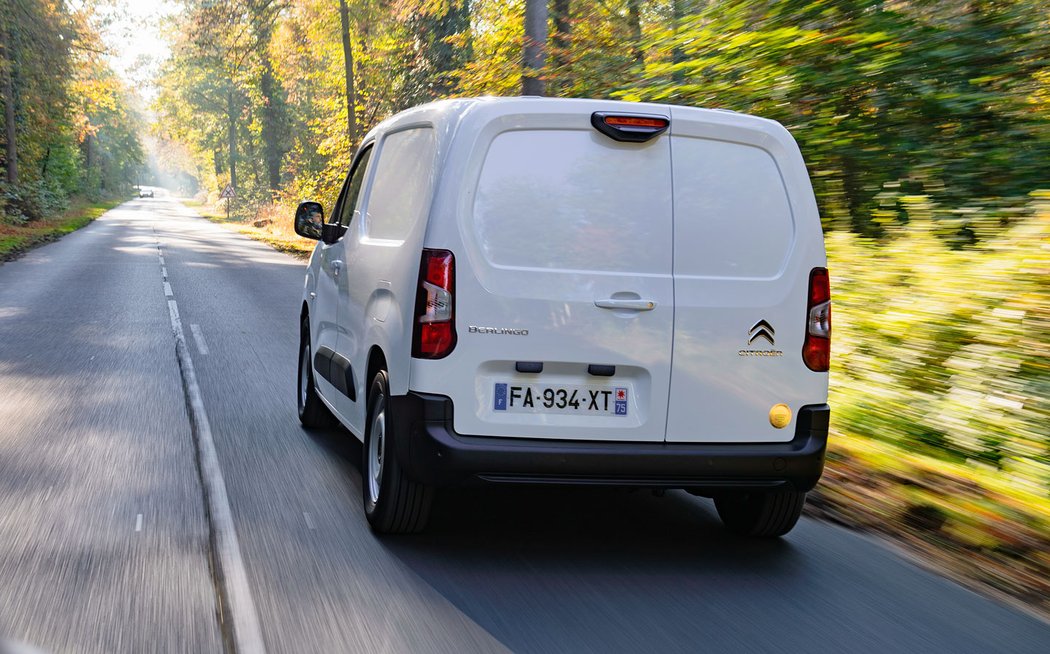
(629, 305)
(336, 266)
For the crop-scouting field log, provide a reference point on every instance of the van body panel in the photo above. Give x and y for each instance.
(382, 249)
(746, 235)
(713, 222)
(549, 217)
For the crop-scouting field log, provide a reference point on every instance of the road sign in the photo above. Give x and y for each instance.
(228, 192)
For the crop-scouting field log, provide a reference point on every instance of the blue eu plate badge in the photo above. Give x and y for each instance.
(621, 401)
(501, 397)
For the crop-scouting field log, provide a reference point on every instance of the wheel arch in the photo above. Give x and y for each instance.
(376, 362)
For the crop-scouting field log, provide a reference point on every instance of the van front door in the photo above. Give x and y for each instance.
(337, 385)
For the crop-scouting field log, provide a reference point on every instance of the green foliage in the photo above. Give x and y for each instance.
(932, 95)
(74, 130)
(32, 200)
(944, 350)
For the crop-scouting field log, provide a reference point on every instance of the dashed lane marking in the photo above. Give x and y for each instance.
(198, 338)
(240, 619)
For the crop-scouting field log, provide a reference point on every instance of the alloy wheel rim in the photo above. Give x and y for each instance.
(376, 447)
(304, 376)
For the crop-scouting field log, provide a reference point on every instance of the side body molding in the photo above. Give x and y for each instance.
(336, 369)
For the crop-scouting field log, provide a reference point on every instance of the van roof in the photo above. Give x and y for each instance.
(446, 115)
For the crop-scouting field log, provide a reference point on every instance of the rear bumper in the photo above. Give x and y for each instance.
(432, 452)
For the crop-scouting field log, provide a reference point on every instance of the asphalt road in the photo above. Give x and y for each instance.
(104, 541)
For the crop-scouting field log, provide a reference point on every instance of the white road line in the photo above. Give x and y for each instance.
(138, 522)
(167, 290)
(309, 521)
(238, 606)
(198, 338)
(162, 260)
(163, 271)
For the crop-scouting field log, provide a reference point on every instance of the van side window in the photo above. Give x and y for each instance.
(352, 194)
(404, 181)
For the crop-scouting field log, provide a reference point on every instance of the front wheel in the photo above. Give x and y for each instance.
(312, 411)
(394, 504)
(761, 514)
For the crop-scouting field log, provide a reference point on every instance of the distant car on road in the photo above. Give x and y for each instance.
(144, 193)
(573, 292)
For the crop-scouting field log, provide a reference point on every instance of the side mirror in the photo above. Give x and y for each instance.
(330, 233)
(309, 220)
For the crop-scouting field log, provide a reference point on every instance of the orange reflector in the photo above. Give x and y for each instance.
(634, 121)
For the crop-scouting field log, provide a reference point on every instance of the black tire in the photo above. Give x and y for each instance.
(312, 411)
(762, 514)
(394, 504)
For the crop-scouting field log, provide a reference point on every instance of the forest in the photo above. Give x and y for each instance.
(925, 125)
(71, 125)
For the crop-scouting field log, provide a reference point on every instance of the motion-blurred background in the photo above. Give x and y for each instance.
(925, 125)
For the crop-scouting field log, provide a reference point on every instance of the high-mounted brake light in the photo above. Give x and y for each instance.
(434, 332)
(632, 128)
(816, 350)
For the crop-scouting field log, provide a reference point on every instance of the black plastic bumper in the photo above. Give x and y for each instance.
(431, 452)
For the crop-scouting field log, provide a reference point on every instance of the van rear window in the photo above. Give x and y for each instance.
(574, 200)
(731, 213)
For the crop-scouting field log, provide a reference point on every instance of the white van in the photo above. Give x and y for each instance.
(550, 291)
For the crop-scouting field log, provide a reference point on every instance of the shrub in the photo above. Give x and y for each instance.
(32, 200)
(942, 346)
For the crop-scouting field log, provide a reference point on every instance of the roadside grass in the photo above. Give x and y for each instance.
(979, 526)
(16, 240)
(271, 225)
(986, 529)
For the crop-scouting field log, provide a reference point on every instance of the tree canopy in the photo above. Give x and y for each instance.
(69, 122)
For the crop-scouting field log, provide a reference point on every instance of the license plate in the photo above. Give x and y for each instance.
(575, 400)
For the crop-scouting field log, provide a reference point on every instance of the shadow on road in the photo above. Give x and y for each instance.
(561, 569)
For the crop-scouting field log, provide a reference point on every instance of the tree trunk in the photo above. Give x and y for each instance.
(445, 57)
(232, 134)
(534, 52)
(560, 42)
(89, 155)
(250, 157)
(348, 62)
(274, 121)
(274, 129)
(677, 56)
(7, 63)
(634, 17)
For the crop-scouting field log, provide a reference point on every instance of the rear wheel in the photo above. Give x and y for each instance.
(762, 514)
(312, 411)
(394, 504)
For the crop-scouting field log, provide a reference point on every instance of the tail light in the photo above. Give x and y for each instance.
(434, 333)
(631, 128)
(816, 351)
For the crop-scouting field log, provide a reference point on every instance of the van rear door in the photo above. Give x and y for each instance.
(564, 295)
(746, 235)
